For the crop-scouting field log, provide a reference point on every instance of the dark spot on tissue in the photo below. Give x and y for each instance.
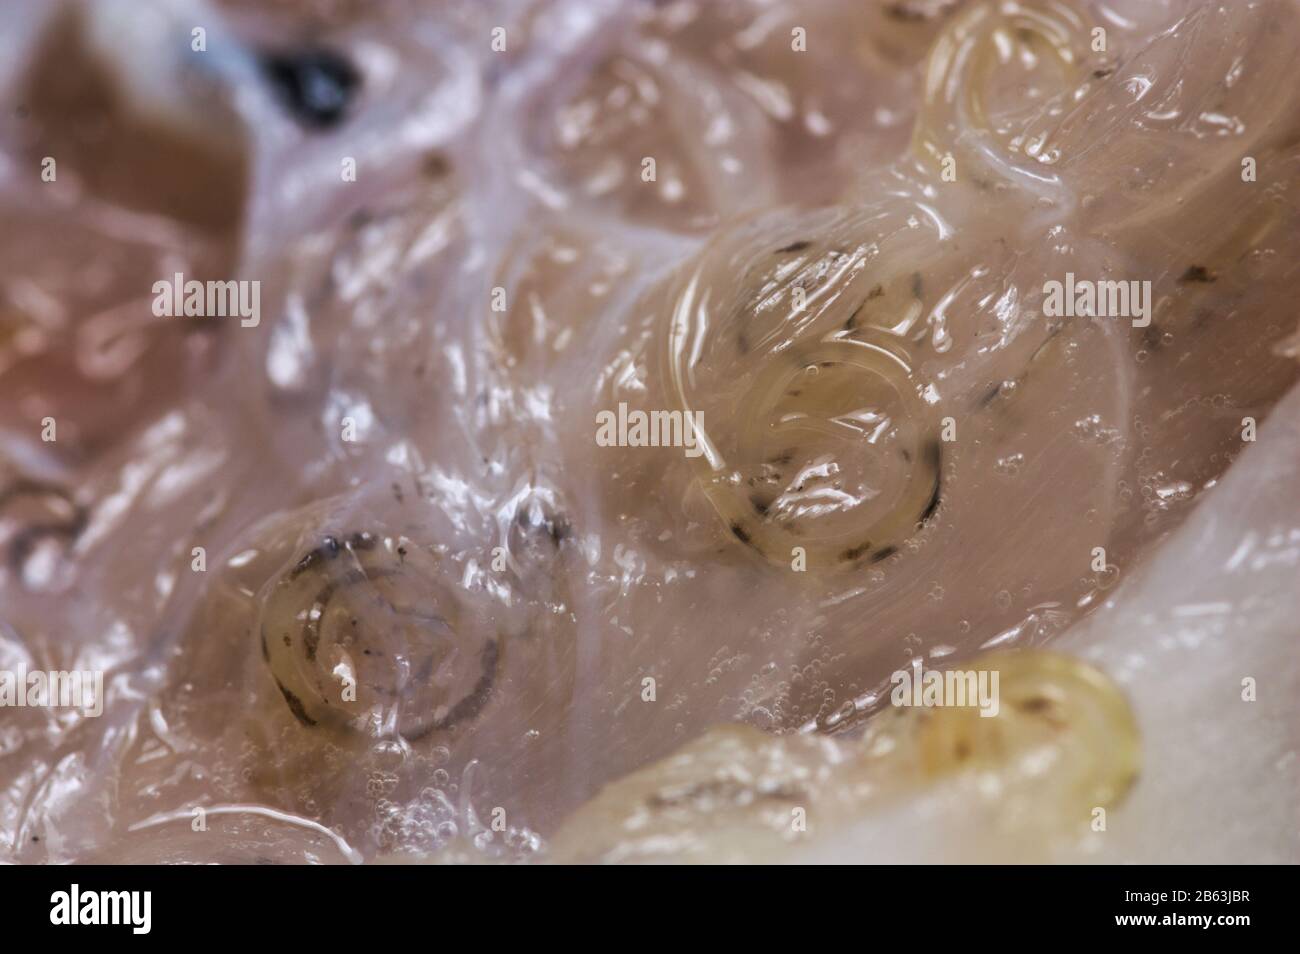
(317, 86)
(1198, 273)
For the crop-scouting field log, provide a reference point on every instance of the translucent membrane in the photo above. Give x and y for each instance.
(430, 594)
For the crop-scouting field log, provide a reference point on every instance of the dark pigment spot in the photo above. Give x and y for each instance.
(316, 86)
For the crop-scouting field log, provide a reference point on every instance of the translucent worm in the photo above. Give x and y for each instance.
(357, 634)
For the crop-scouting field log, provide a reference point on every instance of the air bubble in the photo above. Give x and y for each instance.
(1009, 466)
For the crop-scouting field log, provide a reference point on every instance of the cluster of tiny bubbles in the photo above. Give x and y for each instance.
(1093, 430)
(1009, 466)
(760, 717)
(513, 843)
(432, 821)
(753, 714)
(381, 784)
(778, 707)
(1002, 599)
(722, 663)
(428, 823)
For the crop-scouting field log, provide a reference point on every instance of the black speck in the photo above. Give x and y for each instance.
(559, 530)
(852, 553)
(1152, 337)
(554, 525)
(1198, 273)
(884, 554)
(326, 551)
(794, 247)
(436, 165)
(317, 86)
(740, 533)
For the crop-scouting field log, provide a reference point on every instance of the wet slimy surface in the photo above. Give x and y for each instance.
(365, 571)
